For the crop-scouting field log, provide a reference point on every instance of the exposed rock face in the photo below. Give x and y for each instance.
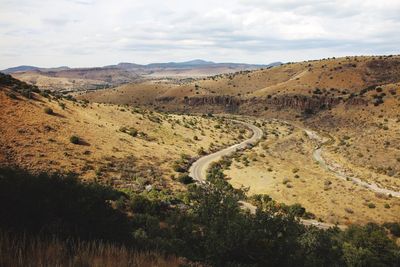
(234, 104)
(356, 101)
(384, 71)
(229, 103)
(165, 99)
(301, 103)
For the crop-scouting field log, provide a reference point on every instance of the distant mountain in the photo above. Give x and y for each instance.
(67, 79)
(197, 63)
(192, 64)
(25, 68)
(19, 69)
(186, 64)
(125, 66)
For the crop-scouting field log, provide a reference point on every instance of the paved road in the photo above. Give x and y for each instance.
(198, 170)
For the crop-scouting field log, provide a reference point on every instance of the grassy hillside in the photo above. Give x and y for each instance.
(334, 77)
(124, 146)
(127, 195)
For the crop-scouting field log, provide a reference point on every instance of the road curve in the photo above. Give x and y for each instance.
(198, 170)
(317, 155)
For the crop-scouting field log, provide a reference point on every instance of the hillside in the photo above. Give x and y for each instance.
(293, 85)
(77, 79)
(116, 144)
(131, 165)
(353, 102)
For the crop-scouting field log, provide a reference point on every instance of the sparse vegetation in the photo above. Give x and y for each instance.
(185, 179)
(131, 131)
(48, 111)
(75, 139)
(200, 231)
(204, 222)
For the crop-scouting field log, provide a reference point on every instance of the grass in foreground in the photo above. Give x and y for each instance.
(24, 251)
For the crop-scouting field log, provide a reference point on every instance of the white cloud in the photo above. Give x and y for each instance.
(90, 32)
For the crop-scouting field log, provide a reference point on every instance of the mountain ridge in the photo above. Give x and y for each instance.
(128, 65)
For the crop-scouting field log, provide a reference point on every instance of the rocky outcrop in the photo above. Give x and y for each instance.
(228, 103)
(384, 70)
(301, 102)
(223, 100)
(232, 104)
(165, 99)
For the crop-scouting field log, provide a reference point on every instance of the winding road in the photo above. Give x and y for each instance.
(198, 170)
(317, 155)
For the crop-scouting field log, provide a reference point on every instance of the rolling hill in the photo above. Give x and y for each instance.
(107, 143)
(352, 101)
(74, 79)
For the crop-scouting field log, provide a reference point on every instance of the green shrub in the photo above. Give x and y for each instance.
(12, 95)
(394, 228)
(75, 139)
(131, 131)
(185, 179)
(179, 168)
(48, 111)
(201, 151)
(59, 205)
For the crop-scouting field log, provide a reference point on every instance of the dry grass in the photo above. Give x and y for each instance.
(34, 140)
(350, 74)
(25, 252)
(291, 151)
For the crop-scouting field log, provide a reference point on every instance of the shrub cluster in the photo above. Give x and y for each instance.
(18, 86)
(205, 224)
(75, 140)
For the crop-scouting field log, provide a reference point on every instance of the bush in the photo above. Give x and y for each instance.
(142, 204)
(201, 151)
(185, 179)
(394, 228)
(210, 228)
(48, 111)
(368, 246)
(178, 167)
(12, 95)
(131, 131)
(59, 205)
(75, 139)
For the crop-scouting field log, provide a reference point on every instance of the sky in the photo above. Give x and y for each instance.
(84, 33)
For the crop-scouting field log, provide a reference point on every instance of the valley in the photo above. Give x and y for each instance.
(352, 103)
(200, 133)
(318, 141)
(312, 151)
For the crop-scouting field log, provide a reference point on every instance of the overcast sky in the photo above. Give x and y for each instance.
(82, 33)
